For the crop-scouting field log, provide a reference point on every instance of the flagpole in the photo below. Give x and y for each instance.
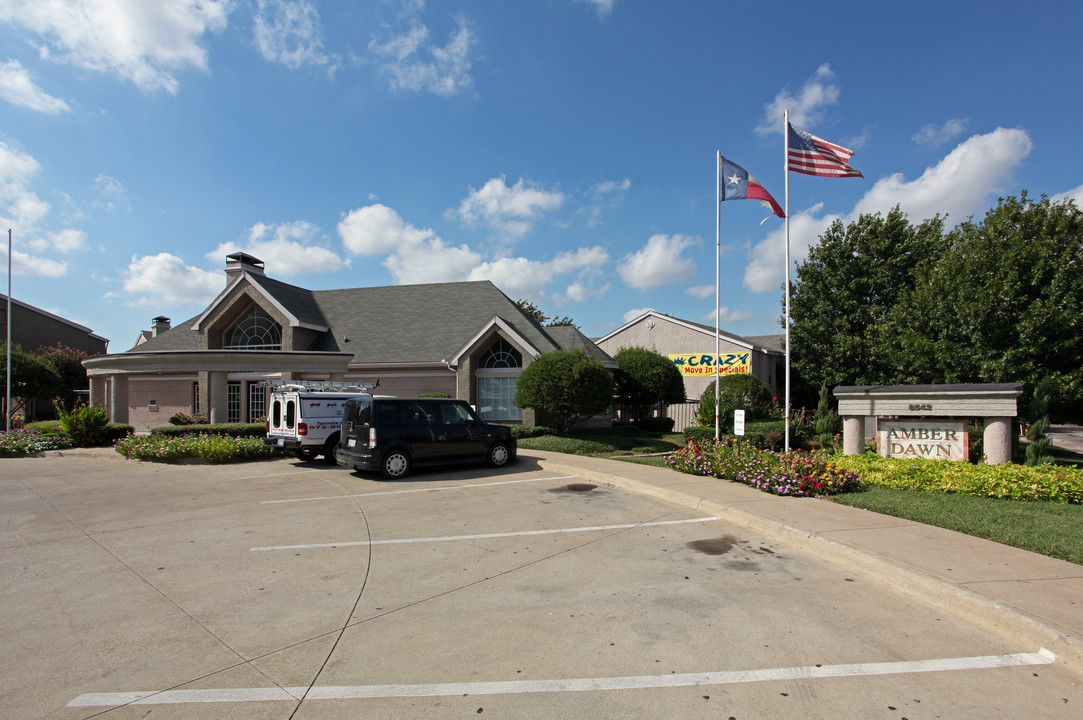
(786, 172)
(717, 281)
(7, 383)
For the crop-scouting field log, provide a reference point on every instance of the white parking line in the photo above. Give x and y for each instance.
(725, 677)
(415, 490)
(452, 538)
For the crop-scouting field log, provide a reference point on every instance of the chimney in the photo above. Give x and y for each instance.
(239, 262)
(159, 325)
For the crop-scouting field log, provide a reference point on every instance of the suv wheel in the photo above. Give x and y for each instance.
(396, 464)
(499, 454)
(330, 450)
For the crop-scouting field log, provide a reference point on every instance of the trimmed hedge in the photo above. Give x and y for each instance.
(228, 429)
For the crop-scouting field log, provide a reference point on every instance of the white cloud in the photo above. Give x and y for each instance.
(111, 194)
(701, 291)
(63, 242)
(659, 262)
(727, 315)
(611, 186)
(603, 7)
(959, 186)
(1074, 194)
(20, 207)
(288, 32)
(24, 264)
(164, 279)
(378, 230)
(411, 62)
(634, 313)
(140, 41)
(932, 135)
(806, 107)
(18, 88)
(520, 277)
(286, 249)
(414, 255)
(509, 211)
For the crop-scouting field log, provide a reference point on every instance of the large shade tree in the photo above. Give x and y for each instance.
(1003, 303)
(845, 291)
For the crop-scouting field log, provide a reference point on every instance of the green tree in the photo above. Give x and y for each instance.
(645, 378)
(735, 392)
(31, 377)
(1038, 450)
(534, 313)
(565, 385)
(1002, 303)
(845, 291)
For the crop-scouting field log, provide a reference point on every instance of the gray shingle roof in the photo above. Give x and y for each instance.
(397, 324)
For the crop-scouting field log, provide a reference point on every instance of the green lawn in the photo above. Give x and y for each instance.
(1053, 529)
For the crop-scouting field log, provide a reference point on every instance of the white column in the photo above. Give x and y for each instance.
(118, 399)
(217, 396)
(853, 434)
(98, 396)
(998, 440)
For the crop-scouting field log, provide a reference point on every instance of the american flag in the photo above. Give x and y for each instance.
(811, 155)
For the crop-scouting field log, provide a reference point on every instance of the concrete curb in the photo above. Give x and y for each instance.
(969, 605)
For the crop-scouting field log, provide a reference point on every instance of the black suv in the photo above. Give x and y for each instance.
(392, 435)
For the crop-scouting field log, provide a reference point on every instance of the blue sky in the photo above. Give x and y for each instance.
(564, 149)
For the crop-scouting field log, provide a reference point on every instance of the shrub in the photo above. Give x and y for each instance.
(566, 386)
(85, 424)
(529, 431)
(655, 424)
(1051, 483)
(434, 395)
(183, 418)
(212, 448)
(258, 430)
(646, 378)
(735, 392)
(29, 441)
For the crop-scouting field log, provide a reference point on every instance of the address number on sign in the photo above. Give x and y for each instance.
(921, 406)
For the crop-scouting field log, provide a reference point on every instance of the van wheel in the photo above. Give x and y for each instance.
(396, 465)
(330, 451)
(499, 455)
(307, 454)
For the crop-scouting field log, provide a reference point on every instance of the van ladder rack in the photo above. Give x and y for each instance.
(321, 385)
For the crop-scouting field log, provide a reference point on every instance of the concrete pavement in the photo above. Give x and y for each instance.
(1018, 594)
(1021, 595)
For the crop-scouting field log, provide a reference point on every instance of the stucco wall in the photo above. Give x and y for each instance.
(171, 395)
(670, 338)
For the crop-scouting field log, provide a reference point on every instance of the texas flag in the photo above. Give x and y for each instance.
(734, 183)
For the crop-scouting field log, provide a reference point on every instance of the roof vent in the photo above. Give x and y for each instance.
(239, 262)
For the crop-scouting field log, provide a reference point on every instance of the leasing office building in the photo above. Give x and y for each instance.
(465, 339)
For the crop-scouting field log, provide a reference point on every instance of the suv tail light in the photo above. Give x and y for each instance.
(302, 429)
(372, 437)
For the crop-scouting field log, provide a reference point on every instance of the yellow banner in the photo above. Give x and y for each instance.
(705, 363)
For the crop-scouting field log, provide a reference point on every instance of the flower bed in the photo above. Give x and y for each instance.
(798, 474)
(30, 442)
(1050, 483)
(212, 448)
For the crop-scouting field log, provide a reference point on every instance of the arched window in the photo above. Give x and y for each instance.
(253, 330)
(501, 355)
(498, 371)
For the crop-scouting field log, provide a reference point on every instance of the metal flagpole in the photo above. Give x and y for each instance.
(717, 281)
(7, 397)
(786, 171)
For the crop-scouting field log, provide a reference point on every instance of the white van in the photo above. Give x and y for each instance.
(305, 416)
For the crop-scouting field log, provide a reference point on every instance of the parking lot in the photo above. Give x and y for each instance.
(285, 589)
